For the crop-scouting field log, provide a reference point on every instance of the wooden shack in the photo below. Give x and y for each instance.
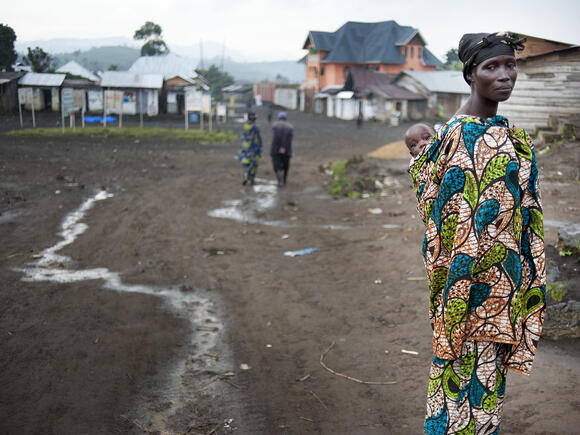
(548, 84)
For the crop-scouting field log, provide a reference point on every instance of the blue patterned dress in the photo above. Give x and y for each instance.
(250, 151)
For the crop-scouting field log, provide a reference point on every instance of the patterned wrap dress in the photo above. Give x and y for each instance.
(478, 194)
(250, 151)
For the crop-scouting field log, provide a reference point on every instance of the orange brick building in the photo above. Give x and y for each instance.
(385, 46)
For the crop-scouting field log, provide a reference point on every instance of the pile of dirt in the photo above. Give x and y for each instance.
(361, 177)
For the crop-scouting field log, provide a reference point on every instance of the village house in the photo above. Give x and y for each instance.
(446, 90)
(384, 46)
(9, 89)
(76, 69)
(548, 85)
(178, 74)
(129, 93)
(287, 96)
(372, 94)
(40, 91)
(264, 91)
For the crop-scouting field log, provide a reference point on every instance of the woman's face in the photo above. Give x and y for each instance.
(494, 78)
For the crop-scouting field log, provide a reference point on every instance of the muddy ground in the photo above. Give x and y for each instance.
(165, 303)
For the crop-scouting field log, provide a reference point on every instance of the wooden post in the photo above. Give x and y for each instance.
(210, 118)
(33, 118)
(104, 108)
(61, 111)
(186, 119)
(201, 119)
(121, 109)
(20, 109)
(84, 103)
(141, 108)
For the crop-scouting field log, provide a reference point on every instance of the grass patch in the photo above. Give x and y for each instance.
(132, 132)
(557, 291)
(352, 177)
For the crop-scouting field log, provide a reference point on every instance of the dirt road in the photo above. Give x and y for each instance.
(145, 290)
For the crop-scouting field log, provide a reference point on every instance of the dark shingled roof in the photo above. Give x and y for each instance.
(364, 82)
(368, 42)
(11, 75)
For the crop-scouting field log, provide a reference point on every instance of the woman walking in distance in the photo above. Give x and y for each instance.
(250, 149)
(478, 195)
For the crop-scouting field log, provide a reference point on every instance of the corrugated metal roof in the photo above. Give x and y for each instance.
(441, 81)
(76, 69)
(368, 42)
(364, 82)
(42, 80)
(169, 65)
(126, 79)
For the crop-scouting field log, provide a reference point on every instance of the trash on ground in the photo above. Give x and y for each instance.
(303, 378)
(284, 236)
(416, 278)
(300, 252)
(376, 210)
(378, 281)
(409, 352)
(244, 366)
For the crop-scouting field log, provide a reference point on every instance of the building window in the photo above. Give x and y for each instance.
(321, 70)
(412, 52)
(419, 51)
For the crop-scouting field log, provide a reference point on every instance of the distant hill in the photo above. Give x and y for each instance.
(260, 71)
(100, 54)
(101, 58)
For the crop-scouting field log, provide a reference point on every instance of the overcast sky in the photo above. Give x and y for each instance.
(274, 30)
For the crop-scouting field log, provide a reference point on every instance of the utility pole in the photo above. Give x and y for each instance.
(201, 53)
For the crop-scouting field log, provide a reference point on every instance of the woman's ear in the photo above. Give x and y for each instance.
(469, 77)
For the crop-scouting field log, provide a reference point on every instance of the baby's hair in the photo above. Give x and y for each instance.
(421, 124)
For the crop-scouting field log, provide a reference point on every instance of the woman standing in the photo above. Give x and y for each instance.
(478, 194)
(250, 149)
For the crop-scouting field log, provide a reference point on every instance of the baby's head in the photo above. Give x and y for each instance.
(417, 137)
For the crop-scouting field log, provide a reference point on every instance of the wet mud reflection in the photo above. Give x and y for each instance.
(263, 197)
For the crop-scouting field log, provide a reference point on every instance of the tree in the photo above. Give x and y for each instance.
(38, 59)
(154, 44)
(217, 80)
(281, 79)
(452, 62)
(7, 53)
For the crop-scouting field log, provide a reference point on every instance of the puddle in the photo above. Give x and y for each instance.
(200, 311)
(557, 224)
(10, 215)
(263, 197)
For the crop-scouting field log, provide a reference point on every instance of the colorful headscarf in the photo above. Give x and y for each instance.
(475, 48)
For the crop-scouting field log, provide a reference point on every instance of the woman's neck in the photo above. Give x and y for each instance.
(479, 107)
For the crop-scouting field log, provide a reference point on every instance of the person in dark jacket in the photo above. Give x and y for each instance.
(281, 149)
